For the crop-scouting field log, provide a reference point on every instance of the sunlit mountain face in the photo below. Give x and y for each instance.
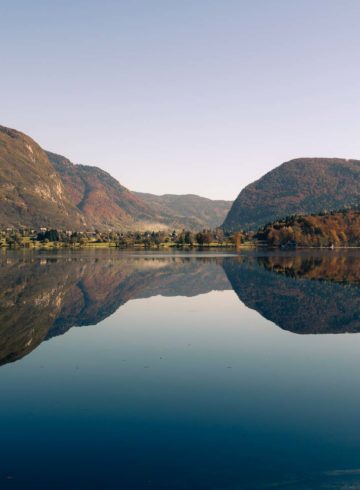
(44, 295)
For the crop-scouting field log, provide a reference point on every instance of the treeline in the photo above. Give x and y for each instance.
(328, 229)
(29, 238)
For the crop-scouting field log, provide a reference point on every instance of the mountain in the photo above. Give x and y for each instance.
(301, 186)
(189, 210)
(39, 188)
(102, 200)
(31, 191)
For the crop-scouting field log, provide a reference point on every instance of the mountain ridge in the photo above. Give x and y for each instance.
(45, 189)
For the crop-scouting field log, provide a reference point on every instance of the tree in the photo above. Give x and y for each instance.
(200, 238)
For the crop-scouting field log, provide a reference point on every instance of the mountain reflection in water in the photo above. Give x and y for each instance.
(42, 296)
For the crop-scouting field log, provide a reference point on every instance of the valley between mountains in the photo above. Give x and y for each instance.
(41, 189)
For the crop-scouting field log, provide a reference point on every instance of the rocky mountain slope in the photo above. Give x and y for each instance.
(31, 191)
(102, 200)
(106, 203)
(301, 186)
(39, 188)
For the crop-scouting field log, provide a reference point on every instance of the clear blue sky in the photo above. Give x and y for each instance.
(183, 96)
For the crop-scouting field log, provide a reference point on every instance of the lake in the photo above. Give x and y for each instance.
(177, 370)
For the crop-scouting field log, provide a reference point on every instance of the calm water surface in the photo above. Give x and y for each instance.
(179, 371)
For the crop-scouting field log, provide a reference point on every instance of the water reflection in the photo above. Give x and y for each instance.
(179, 392)
(41, 297)
(303, 293)
(44, 296)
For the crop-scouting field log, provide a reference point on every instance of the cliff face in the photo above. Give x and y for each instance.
(31, 191)
(301, 186)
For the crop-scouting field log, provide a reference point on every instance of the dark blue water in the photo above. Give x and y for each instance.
(201, 371)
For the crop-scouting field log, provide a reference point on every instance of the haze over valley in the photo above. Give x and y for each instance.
(44, 189)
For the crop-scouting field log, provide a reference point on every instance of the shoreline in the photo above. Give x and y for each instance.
(141, 246)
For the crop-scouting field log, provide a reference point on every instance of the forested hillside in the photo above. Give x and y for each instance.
(301, 186)
(338, 228)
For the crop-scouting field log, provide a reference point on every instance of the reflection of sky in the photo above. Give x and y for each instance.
(201, 379)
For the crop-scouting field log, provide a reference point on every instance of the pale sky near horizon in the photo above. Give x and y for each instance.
(183, 96)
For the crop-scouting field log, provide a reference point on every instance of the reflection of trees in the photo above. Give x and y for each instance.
(303, 294)
(44, 297)
(327, 266)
